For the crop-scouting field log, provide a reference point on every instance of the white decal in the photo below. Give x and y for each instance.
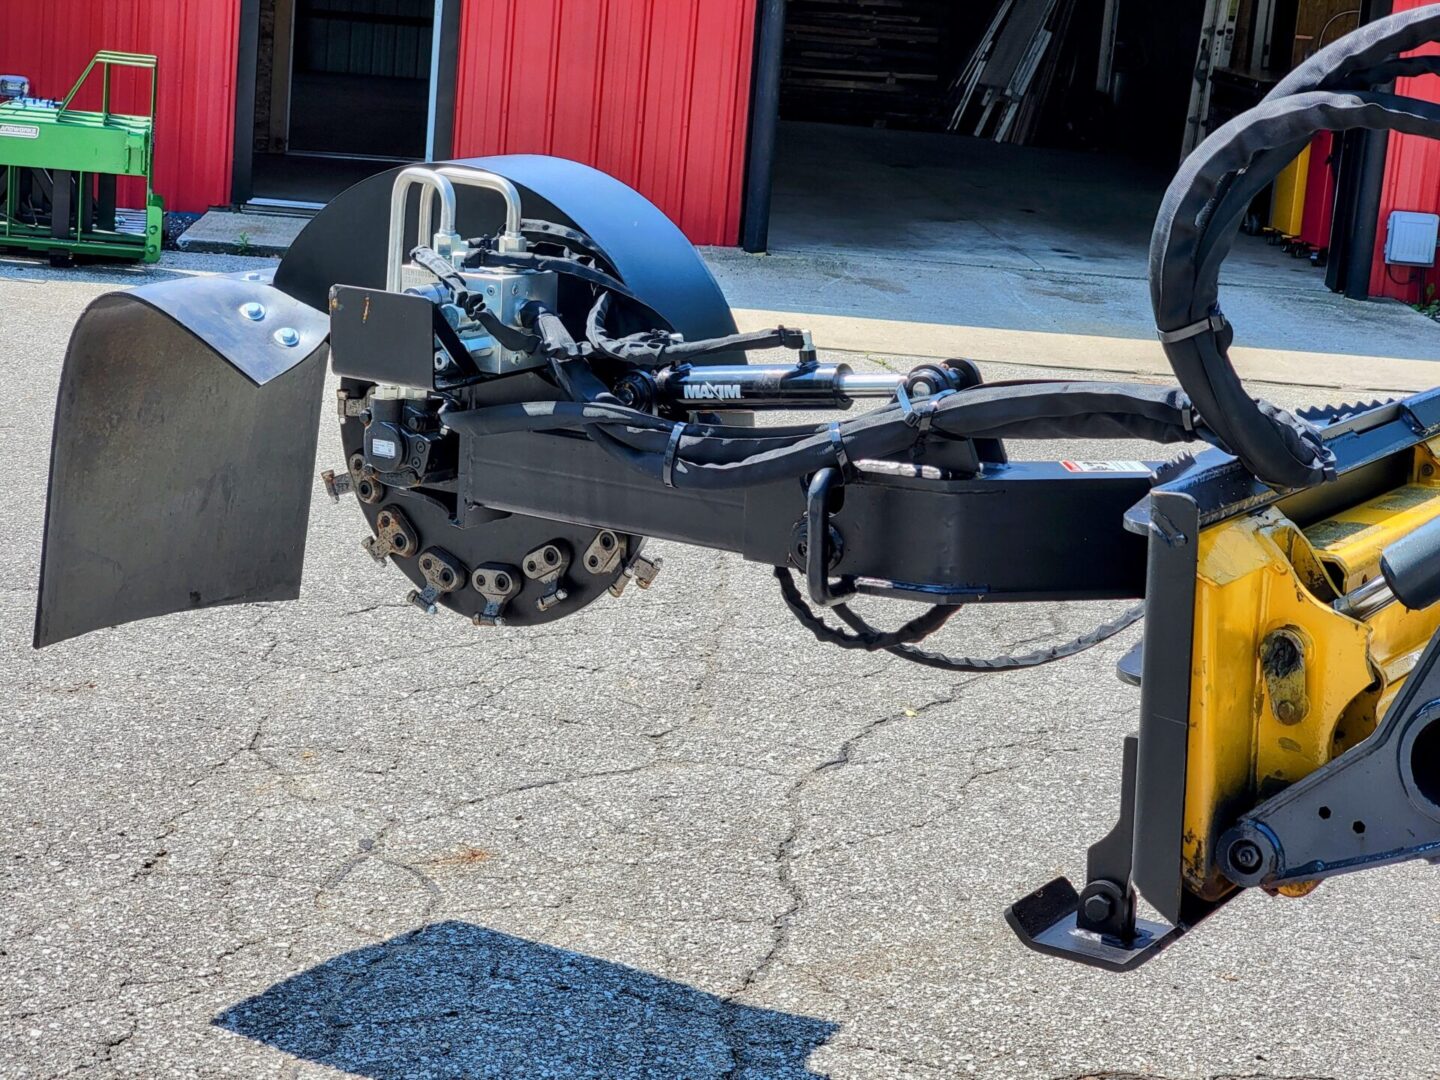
(712, 392)
(19, 131)
(1106, 466)
(383, 448)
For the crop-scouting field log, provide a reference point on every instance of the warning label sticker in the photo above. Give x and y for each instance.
(1105, 466)
(19, 131)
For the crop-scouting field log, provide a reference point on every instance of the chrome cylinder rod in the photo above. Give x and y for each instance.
(869, 384)
(1369, 599)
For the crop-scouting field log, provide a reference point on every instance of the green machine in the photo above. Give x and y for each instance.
(59, 168)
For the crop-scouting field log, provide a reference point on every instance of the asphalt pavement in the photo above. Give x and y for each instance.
(670, 836)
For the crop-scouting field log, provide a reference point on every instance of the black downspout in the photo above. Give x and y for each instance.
(1347, 151)
(447, 80)
(1365, 227)
(764, 119)
(1360, 187)
(242, 176)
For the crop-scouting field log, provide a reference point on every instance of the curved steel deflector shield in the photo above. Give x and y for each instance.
(347, 242)
(180, 466)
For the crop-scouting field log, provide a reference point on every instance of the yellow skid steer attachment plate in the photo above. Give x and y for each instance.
(1281, 682)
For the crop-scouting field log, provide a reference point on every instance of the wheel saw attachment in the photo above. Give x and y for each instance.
(545, 374)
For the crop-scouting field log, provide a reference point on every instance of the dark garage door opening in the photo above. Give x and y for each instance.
(1023, 134)
(343, 90)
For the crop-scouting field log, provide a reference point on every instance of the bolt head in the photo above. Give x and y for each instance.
(1246, 856)
(287, 336)
(1098, 908)
(253, 311)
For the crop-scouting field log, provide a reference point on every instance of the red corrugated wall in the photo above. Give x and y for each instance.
(654, 92)
(196, 41)
(1320, 192)
(1412, 182)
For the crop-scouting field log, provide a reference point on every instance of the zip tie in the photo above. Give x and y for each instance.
(838, 442)
(1214, 322)
(667, 471)
(916, 416)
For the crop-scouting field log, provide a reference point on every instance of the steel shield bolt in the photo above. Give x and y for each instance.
(253, 311)
(288, 336)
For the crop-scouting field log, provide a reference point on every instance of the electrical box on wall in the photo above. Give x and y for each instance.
(1410, 238)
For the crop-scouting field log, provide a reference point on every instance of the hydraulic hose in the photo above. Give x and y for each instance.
(1204, 206)
(707, 457)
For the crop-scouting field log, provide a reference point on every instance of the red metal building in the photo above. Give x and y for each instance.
(656, 92)
(196, 44)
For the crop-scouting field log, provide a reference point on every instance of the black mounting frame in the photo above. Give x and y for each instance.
(1300, 834)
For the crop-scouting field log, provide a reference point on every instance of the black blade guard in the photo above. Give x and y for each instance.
(182, 457)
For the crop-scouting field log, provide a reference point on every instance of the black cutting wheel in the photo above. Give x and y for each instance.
(346, 244)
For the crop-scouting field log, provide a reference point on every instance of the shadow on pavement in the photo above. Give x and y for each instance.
(458, 1000)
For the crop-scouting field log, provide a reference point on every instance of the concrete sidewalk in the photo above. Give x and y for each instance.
(1095, 321)
(229, 232)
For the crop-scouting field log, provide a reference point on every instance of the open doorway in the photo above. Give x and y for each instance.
(1036, 136)
(1032, 133)
(344, 89)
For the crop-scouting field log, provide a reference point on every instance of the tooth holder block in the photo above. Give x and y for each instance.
(59, 166)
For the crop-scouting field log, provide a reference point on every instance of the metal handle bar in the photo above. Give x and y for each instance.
(510, 239)
(440, 180)
(399, 195)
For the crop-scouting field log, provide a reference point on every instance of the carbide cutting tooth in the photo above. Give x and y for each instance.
(642, 569)
(647, 570)
(336, 485)
(424, 599)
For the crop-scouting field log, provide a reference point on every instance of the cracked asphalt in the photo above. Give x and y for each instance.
(671, 836)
